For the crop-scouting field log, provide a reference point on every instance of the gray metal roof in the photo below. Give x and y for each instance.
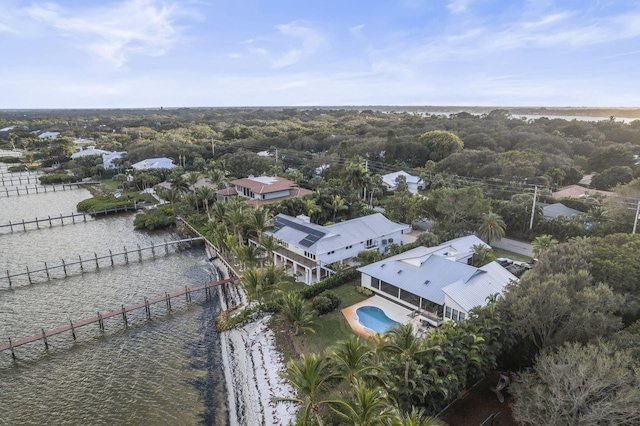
(475, 291)
(557, 209)
(318, 239)
(428, 271)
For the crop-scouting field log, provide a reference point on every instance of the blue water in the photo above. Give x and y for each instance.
(375, 319)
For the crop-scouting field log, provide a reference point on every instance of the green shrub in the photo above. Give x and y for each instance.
(326, 302)
(9, 159)
(154, 218)
(58, 178)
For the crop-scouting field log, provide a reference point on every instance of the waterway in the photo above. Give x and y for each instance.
(163, 371)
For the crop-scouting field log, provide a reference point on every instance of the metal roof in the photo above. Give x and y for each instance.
(428, 271)
(318, 239)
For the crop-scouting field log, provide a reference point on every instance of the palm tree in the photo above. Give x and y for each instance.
(235, 217)
(193, 178)
(270, 244)
(355, 176)
(248, 253)
(418, 417)
(401, 340)
(260, 220)
(352, 359)
(367, 407)
(219, 213)
(310, 207)
(336, 205)
(311, 377)
(178, 183)
(482, 255)
(543, 243)
(492, 227)
(297, 312)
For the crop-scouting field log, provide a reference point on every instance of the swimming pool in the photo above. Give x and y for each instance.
(375, 319)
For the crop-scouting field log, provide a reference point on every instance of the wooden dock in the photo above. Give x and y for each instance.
(118, 312)
(39, 189)
(94, 261)
(18, 180)
(50, 221)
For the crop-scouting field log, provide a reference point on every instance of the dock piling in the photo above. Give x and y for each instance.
(73, 330)
(44, 337)
(13, 354)
(124, 317)
(139, 254)
(100, 322)
(168, 300)
(29, 276)
(96, 257)
(81, 267)
(46, 268)
(64, 268)
(147, 308)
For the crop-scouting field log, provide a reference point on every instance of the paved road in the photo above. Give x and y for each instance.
(515, 246)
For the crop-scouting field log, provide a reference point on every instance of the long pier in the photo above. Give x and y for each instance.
(50, 221)
(118, 312)
(39, 189)
(11, 181)
(93, 262)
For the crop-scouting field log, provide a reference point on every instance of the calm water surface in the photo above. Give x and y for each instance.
(163, 371)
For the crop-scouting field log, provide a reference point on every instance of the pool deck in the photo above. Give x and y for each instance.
(392, 310)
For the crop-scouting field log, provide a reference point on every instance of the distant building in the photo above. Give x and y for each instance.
(262, 190)
(577, 191)
(413, 182)
(90, 150)
(154, 163)
(554, 210)
(51, 135)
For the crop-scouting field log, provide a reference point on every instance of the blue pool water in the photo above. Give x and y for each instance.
(375, 319)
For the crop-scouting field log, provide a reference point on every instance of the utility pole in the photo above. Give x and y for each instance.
(635, 221)
(533, 207)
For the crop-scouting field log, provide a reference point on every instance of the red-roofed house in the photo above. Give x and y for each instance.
(262, 190)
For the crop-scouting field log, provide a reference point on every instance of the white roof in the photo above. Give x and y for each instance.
(91, 150)
(432, 272)
(318, 239)
(48, 135)
(390, 179)
(154, 163)
(6, 129)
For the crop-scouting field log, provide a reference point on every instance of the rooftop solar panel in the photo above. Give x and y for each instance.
(313, 235)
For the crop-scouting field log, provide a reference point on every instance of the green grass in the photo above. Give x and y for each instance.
(333, 326)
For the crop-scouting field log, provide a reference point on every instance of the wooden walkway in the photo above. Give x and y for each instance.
(123, 311)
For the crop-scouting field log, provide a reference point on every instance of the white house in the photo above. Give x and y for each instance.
(90, 150)
(154, 163)
(439, 283)
(413, 182)
(308, 249)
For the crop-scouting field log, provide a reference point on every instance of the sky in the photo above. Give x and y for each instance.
(200, 53)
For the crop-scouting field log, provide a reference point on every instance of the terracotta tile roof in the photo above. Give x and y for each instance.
(265, 184)
(228, 191)
(577, 191)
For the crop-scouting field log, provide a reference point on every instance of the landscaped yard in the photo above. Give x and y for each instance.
(511, 255)
(329, 328)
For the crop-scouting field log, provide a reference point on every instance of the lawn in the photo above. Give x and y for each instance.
(329, 328)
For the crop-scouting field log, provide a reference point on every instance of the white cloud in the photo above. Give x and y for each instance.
(132, 27)
(459, 6)
(311, 41)
(357, 30)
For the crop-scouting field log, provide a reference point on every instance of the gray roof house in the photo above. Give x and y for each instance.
(154, 163)
(557, 209)
(307, 249)
(438, 283)
(414, 183)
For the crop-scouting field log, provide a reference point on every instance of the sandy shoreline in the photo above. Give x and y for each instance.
(251, 365)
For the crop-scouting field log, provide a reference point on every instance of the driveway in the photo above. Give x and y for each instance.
(515, 246)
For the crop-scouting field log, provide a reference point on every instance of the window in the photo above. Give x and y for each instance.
(389, 289)
(410, 298)
(370, 243)
(331, 252)
(455, 314)
(447, 312)
(461, 317)
(375, 283)
(348, 247)
(310, 255)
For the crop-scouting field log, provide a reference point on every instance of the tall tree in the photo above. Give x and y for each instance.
(579, 385)
(492, 227)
